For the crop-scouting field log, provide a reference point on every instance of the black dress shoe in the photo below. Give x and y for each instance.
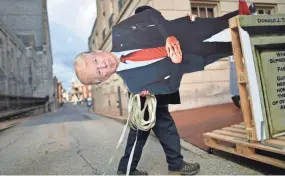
(236, 100)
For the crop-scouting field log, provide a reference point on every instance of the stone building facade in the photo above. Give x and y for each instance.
(26, 49)
(203, 88)
(58, 93)
(14, 66)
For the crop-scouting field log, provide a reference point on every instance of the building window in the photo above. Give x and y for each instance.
(111, 20)
(12, 53)
(104, 34)
(1, 53)
(203, 10)
(30, 80)
(120, 4)
(3, 58)
(265, 9)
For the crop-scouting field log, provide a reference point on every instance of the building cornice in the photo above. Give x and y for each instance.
(93, 30)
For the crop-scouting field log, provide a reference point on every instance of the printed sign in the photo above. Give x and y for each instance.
(262, 20)
(273, 68)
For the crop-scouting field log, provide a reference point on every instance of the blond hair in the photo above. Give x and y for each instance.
(80, 68)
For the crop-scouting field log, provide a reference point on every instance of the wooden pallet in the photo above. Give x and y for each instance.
(234, 140)
(242, 80)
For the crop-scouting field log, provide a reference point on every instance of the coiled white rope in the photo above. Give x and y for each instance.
(136, 115)
(137, 122)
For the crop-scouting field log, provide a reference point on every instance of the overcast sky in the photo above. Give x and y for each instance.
(71, 22)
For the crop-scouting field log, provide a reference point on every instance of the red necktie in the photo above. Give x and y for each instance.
(146, 54)
(243, 8)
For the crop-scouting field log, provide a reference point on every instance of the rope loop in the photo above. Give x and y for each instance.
(136, 115)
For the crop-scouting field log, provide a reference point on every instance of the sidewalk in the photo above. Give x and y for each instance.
(11, 123)
(113, 115)
(193, 123)
(4, 125)
(216, 165)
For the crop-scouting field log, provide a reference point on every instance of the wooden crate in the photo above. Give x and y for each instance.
(257, 40)
(234, 140)
(241, 139)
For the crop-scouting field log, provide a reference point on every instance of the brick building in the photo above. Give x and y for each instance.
(59, 93)
(197, 89)
(80, 92)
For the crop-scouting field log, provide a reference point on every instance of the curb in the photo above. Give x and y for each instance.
(88, 115)
(189, 147)
(184, 145)
(17, 112)
(19, 121)
(8, 126)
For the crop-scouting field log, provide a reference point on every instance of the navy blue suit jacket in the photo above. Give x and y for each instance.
(149, 29)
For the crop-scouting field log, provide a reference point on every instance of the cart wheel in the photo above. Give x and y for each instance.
(210, 150)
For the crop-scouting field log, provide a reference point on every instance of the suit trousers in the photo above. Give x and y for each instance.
(166, 131)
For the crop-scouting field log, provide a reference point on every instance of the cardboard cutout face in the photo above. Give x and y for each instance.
(141, 42)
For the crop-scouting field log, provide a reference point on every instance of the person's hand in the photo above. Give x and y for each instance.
(192, 17)
(173, 49)
(144, 93)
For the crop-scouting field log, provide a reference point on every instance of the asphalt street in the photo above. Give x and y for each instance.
(73, 141)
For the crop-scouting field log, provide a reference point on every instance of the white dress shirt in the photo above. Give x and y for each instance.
(132, 64)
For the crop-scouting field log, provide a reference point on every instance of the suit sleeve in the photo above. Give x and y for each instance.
(161, 23)
(224, 17)
(228, 15)
(155, 88)
(165, 86)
